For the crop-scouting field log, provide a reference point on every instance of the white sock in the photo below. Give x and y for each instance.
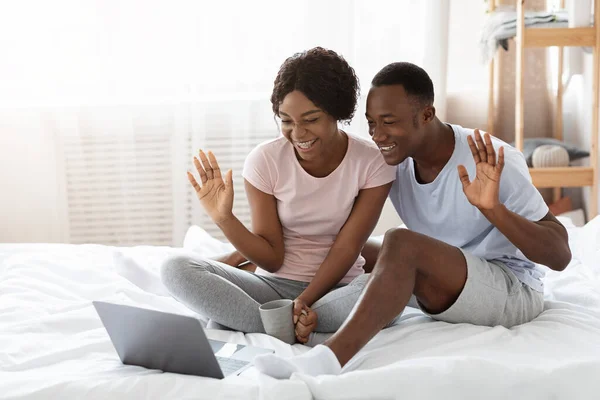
(318, 361)
(142, 278)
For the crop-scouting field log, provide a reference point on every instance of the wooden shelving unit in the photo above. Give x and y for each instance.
(561, 37)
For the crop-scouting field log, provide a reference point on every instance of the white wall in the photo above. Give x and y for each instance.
(389, 219)
(577, 100)
(467, 85)
(578, 116)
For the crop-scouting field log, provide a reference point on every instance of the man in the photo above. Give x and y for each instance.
(476, 227)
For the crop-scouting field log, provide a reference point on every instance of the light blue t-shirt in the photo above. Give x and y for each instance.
(441, 210)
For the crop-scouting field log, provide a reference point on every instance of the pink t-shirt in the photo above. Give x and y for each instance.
(313, 210)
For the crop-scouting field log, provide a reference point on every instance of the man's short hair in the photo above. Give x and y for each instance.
(414, 79)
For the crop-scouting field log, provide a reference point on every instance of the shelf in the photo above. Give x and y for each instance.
(562, 177)
(547, 37)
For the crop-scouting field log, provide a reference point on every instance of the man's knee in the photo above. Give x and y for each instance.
(401, 244)
(398, 235)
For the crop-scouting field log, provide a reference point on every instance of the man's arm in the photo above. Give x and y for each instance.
(544, 242)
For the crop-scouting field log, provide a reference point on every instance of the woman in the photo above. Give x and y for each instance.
(315, 195)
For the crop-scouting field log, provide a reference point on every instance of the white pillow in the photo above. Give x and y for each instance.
(141, 265)
(201, 242)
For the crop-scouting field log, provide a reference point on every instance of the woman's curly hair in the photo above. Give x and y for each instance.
(324, 77)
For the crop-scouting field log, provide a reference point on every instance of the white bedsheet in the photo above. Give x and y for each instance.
(52, 344)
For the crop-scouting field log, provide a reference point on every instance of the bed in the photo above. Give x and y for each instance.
(52, 344)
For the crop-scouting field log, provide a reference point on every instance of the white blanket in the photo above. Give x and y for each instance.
(52, 344)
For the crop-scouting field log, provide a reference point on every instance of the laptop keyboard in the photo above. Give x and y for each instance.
(230, 365)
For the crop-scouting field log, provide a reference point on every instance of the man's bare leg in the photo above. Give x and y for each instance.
(408, 263)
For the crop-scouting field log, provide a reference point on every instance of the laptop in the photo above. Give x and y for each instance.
(171, 342)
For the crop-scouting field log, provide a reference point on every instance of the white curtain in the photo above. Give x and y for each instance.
(102, 102)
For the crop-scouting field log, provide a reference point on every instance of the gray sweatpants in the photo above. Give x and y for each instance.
(231, 297)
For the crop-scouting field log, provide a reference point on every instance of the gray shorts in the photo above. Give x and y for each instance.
(492, 295)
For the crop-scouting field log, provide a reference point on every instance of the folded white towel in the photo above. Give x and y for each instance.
(501, 25)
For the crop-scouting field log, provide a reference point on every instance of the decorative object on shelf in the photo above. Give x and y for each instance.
(531, 144)
(550, 155)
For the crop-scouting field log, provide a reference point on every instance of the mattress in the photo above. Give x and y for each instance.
(53, 345)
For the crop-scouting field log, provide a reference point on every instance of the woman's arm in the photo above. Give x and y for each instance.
(348, 244)
(235, 259)
(264, 247)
